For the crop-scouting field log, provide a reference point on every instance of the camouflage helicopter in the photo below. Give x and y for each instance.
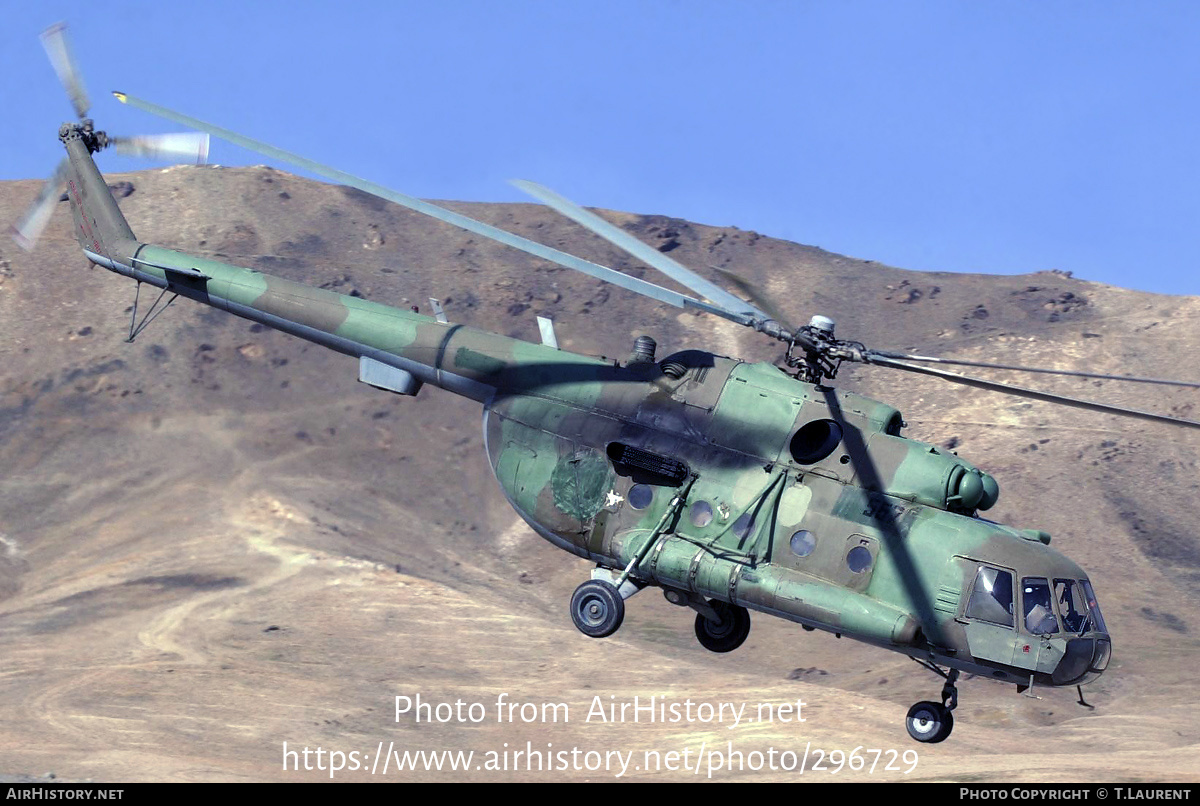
(732, 486)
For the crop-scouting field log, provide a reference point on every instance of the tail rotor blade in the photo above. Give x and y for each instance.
(182, 147)
(58, 48)
(27, 230)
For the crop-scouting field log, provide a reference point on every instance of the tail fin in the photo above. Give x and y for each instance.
(100, 227)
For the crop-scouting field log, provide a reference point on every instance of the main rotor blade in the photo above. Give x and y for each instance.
(642, 251)
(29, 228)
(442, 214)
(757, 296)
(1071, 373)
(54, 40)
(1020, 391)
(189, 146)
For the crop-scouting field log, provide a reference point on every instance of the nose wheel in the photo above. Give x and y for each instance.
(931, 722)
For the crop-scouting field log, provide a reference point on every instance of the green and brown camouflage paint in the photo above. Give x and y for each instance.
(550, 417)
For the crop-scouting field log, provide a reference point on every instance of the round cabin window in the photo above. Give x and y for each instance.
(859, 559)
(803, 543)
(815, 440)
(701, 513)
(640, 496)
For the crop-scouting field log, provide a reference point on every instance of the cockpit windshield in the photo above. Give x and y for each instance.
(1093, 606)
(1071, 605)
(1038, 609)
(1066, 606)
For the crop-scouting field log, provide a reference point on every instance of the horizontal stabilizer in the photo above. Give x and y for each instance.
(386, 377)
(186, 271)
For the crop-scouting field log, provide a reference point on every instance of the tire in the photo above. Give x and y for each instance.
(929, 722)
(730, 633)
(597, 608)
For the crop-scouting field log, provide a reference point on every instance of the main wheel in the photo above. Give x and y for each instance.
(929, 722)
(726, 635)
(597, 608)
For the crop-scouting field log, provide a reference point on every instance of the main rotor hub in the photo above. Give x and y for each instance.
(823, 353)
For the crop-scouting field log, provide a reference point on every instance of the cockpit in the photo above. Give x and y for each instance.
(1050, 608)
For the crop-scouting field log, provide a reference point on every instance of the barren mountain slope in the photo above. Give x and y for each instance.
(214, 540)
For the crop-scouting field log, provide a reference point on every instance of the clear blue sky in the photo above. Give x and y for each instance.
(962, 136)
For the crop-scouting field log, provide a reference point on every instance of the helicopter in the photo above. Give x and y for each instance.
(731, 486)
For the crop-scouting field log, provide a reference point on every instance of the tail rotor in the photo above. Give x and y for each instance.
(58, 48)
(178, 147)
(26, 231)
(191, 147)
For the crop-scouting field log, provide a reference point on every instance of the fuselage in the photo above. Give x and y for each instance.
(753, 487)
(801, 501)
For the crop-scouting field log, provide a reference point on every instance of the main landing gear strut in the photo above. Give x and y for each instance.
(727, 631)
(598, 608)
(930, 722)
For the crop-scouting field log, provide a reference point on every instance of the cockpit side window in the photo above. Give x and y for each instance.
(1071, 605)
(992, 598)
(1038, 609)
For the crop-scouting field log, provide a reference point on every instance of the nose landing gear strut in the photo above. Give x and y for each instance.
(928, 721)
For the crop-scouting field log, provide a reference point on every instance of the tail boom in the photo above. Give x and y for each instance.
(470, 362)
(464, 360)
